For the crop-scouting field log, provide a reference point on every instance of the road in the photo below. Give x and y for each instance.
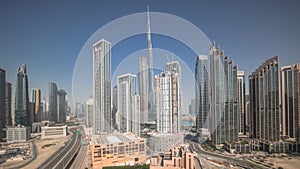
(80, 158)
(59, 155)
(222, 158)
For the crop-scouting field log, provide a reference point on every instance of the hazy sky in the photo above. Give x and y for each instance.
(48, 35)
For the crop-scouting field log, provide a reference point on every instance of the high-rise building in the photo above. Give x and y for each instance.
(202, 89)
(8, 101)
(36, 100)
(265, 102)
(89, 104)
(151, 93)
(62, 106)
(45, 106)
(143, 88)
(168, 102)
(241, 101)
(2, 103)
(217, 81)
(290, 101)
(115, 106)
(224, 98)
(231, 113)
(52, 93)
(22, 113)
(128, 113)
(102, 86)
(192, 107)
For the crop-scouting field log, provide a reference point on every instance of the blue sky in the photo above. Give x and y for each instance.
(48, 35)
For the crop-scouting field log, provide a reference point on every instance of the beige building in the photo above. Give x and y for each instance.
(118, 149)
(180, 157)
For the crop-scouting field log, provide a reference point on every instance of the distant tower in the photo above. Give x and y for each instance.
(151, 107)
(2, 103)
(8, 97)
(202, 92)
(89, 104)
(62, 106)
(22, 115)
(36, 100)
(52, 93)
(102, 86)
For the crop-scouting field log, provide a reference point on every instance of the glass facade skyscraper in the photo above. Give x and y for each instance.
(224, 98)
(2, 102)
(217, 95)
(52, 93)
(202, 89)
(62, 106)
(22, 116)
(265, 102)
(8, 104)
(102, 86)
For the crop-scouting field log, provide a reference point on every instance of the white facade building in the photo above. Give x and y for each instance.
(102, 86)
(129, 111)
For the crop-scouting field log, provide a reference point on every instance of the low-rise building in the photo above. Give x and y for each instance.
(179, 157)
(118, 149)
(54, 132)
(17, 134)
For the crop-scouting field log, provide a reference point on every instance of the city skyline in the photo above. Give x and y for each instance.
(65, 59)
(95, 86)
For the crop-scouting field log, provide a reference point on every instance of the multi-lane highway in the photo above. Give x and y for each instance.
(222, 158)
(61, 158)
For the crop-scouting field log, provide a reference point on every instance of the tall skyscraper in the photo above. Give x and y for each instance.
(168, 100)
(202, 89)
(224, 98)
(2, 103)
(241, 101)
(102, 86)
(192, 107)
(265, 102)
(115, 106)
(8, 101)
(62, 106)
(89, 104)
(143, 88)
(45, 106)
(217, 80)
(22, 113)
(127, 107)
(231, 113)
(52, 93)
(290, 101)
(36, 100)
(151, 93)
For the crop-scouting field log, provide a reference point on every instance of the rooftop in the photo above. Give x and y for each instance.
(115, 138)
